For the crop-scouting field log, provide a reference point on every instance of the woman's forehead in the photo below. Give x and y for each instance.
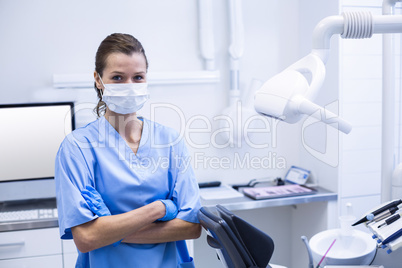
(123, 62)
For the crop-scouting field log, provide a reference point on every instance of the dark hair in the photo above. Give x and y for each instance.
(117, 42)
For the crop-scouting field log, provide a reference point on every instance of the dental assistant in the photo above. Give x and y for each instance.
(135, 169)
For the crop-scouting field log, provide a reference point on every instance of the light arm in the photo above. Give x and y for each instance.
(289, 95)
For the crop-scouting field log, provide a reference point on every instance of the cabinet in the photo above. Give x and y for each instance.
(70, 253)
(36, 248)
(43, 261)
(31, 248)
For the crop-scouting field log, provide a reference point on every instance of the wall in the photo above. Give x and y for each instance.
(43, 38)
(356, 176)
(320, 143)
(360, 91)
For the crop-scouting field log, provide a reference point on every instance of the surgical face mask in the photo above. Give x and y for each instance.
(125, 98)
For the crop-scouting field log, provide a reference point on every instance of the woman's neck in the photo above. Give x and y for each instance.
(127, 125)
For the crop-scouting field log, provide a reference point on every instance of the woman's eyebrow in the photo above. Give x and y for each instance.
(118, 72)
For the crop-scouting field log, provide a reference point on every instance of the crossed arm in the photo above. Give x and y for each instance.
(136, 226)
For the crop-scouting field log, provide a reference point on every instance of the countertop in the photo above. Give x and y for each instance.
(49, 203)
(238, 203)
(244, 202)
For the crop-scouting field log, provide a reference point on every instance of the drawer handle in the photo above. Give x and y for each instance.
(13, 244)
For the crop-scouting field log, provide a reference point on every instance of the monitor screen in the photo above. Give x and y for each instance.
(30, 136)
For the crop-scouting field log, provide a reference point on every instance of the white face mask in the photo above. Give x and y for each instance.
(125, 98)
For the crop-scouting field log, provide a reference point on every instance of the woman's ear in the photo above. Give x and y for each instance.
(97, 80)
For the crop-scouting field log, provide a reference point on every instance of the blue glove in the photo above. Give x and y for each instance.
(171, 210)
(96, 204)
(95, 201)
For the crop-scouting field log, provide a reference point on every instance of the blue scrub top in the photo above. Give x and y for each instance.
(97, 155)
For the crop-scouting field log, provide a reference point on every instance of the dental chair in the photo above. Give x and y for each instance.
(238, 243)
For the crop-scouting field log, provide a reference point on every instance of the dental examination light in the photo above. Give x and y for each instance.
(289, 95)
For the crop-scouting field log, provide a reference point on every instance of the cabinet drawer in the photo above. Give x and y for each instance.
(69, 246)
(70, 253)
(29, 243)
(69, 260)
(43, 262)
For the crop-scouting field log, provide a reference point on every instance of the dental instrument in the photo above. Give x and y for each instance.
(383, 209)
(381, 234)
(323, 257)
(390, 220)
(392, 204)
(392, 237)
(384, 215)
(387, 231)
(393, 245)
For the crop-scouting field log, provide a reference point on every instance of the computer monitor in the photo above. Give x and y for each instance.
(30, 136)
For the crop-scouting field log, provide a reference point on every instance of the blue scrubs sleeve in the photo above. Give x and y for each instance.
(186, 192)
(71, 175)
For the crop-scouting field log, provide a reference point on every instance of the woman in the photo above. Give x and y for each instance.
(126, 167)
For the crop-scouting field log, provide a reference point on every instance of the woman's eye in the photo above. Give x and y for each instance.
(138, 78)
(116, 78)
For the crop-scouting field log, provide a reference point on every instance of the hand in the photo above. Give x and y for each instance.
(95, 201)
(96, 204)
(171, 210)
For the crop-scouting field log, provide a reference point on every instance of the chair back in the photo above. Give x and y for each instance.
(238, 243)
(221, 238)
(259, 245)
